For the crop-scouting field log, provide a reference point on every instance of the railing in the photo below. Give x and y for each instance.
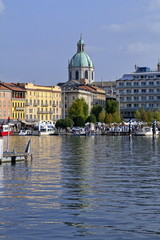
(19, 108)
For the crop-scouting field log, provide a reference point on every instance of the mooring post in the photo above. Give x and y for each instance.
(130, 127)
(154, 127)
(1, 149)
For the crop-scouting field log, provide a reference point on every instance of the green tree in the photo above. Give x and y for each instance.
(143, 114)
(78, 121)
(137, 115)
(116, 117)
(102, 116)
(64, 123)
(112, 106)
(59, 123)
(150, 116)
(79, 108)
(96, 109)
(68, 122)
(108, 118)
(91, 118)
(157, 115)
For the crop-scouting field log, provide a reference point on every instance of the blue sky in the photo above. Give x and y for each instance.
(38, 37)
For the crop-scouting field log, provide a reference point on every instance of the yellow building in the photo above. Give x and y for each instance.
(42, 102)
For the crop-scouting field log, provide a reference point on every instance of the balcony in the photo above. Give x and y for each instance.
(19, 108)
(43, 112)
(35, 104)
(45, 105)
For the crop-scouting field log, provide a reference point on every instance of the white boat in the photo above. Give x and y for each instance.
(25, 133)
(78, 131)
(146, 131)
(44, 128)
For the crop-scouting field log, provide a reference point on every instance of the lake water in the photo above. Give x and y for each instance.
(77, 187)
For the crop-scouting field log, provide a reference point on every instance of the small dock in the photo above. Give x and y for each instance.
(14, 156)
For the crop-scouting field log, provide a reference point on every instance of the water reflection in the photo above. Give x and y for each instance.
(96, 187)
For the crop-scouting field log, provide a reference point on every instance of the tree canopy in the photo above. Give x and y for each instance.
(79, 108)
(91, 118)
(112, 106)
(96, 109)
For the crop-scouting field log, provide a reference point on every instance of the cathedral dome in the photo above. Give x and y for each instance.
(81, 59)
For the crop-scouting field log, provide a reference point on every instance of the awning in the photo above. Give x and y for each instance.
(28, 123)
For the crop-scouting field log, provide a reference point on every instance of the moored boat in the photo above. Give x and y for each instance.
(146, 131)
(25, 133)
(44, 128)
(5, 130)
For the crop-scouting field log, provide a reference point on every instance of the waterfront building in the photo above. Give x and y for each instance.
(139, 89)
(5, 103)
(91, 94)
(42, 102)
(81, 66)
(109, 87)
(18, 100)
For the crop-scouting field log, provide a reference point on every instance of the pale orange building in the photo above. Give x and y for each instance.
(5, 103)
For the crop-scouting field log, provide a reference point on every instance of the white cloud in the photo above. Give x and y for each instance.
(2, 7)
(154, 5)
(116, 28)
(137, 48)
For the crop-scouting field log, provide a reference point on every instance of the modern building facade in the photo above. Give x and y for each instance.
(81, 66)
(139, 89)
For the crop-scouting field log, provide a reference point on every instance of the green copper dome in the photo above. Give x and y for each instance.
(81, 59)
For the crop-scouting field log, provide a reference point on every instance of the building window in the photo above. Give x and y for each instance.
(128, 83)
(143, 98)
(121, 84)
(135, 90)
(143, 90)
(151, 90)
(77, 75)
(128, 98)
(151, 83)
(136, 105)
(151, 97)
(129, 105)
(135, 83)
(136, 98)
(151, 105)
(86, 74)
(128, 91)
(143, 83)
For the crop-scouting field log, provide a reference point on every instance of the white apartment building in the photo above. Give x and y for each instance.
(139, 89)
